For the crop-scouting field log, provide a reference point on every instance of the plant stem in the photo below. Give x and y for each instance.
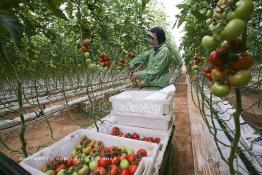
(237, 134)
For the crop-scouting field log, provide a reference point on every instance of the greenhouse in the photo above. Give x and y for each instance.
(146, 87)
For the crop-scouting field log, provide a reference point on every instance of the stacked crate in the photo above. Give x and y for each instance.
(147, 113)
(145, 109)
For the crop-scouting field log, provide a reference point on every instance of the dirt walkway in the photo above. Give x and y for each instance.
(183, 163)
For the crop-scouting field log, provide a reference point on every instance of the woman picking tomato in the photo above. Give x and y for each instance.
(158, 60)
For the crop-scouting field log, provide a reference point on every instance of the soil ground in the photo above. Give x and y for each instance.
(183, 163)
(38, 134)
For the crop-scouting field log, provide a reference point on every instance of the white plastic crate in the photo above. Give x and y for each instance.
(144, 102)
(163, 135)
(62, 148)
(155, 122)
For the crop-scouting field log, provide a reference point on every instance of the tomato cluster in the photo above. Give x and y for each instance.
(229, 63)
(131, 55)
(84, 47)
(104, 60)
(90, 156)
(227, 22)
(121, 64)
(198, 61)
(116, 132)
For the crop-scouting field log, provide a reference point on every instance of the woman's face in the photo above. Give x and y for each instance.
(153, 41)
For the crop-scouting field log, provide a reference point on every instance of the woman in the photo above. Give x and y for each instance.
(158, 60)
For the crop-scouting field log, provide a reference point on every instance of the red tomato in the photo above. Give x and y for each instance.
(207, 70)
(131, 158)
(103, 162)
(113, 170)
(86, 42)
(114, 149)
(115, 160)
(135, 136)
(124, 172)
(100, 171)
(128, 135)
(242, 62)
(217, 75)
(150, 139)
(208, 75)
(141, 153)
(105, 151)
(84, 49)
(121, 61)
(69, 162)
(216, 59)
(60, 167)
(76, 161)
(157, 140)
(115, 131)
(132, 169)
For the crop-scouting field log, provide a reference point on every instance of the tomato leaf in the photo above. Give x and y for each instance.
(144, 2)
(13, 26)
(56, 11)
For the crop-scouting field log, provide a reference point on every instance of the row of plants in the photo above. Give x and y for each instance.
(221, 51)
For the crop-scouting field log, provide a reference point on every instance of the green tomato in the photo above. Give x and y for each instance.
(87, 159)
(86, 54)
(240, 79)
(83, 155)
(84, 170)
(220, 90)
(244, 8)
(75, 173)
(208, 21)
(122, 148)
(92, 66)
(209, 42)
(195, 67)
(88, 61)
(61, 172)
(93, 165)
(209, 13)
(124, 164)
(73, 152)
(231, 15)
(215, 28)
(129, 151)
(218, 38)
(233, 29)
(195, 71)
(50, 172)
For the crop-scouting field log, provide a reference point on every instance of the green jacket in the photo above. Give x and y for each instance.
(157, 72)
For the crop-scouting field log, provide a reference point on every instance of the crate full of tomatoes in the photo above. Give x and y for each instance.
(136, 133)
(85, 152)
